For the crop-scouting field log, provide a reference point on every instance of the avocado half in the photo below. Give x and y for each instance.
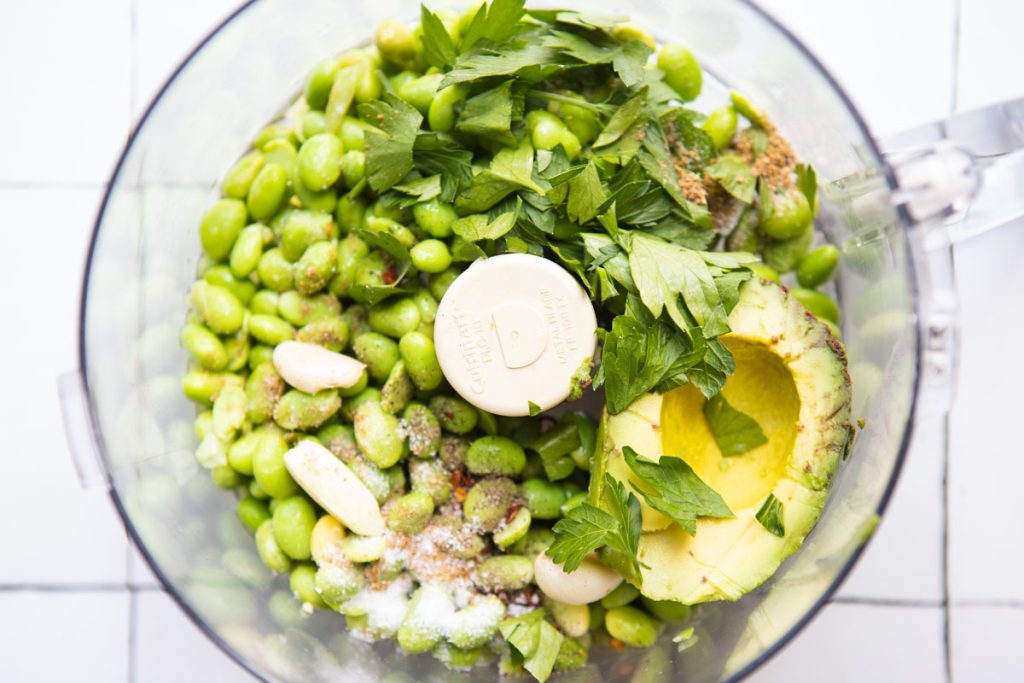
(791, 377)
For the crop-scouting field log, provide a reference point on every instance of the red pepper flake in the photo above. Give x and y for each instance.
(616, 644)
(461, 479)
(513, 511)
(389, 276)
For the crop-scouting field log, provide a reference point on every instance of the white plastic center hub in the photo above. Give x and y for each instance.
(511, 331)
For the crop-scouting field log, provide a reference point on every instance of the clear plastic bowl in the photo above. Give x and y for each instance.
(143, 259)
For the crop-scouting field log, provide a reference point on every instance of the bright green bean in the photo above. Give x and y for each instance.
(220, 226)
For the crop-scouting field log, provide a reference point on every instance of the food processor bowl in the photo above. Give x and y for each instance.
(126, 405)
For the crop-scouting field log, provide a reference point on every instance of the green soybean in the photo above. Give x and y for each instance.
(397, 390)
(785, 255)
(764, 272)
(378, 435)
(441, 113)
(353, 134)
(424, 430)
(316, 266)
(624, 594)
(543, 498)
(271, 554)
(818, 304)
(337, 584)
(397, 44)
(786, 216)
(203, 386)
(488, 502)
(420, 92)
(505, 572)
(353, 167)
(495, 455)
(260, 354)
(454, 414)
(270, 329)
(430, 477)
(410, 513)
(300, 229)
(395, 317)
(418, 353)
(242, 451)
(351, 251)
(299, 309)
(440, 283)
(330, 333)
(431, 604)
(348, 411)
(666, 610)
(431, 256)
(221, 275)
(248, 248)
(262, 390)
(319, 161)
(631, 626)
(309, 124)
(378, 352)
(435, 218)
(513, 529)
(477, 624)
(220, 226)
(267, 191)
(319, 82)
(268, 465)
(817, 267)
(302, 583)
(299, 410)
(204, 346)
(219, 308)
(274, 270)
(294, 518)
(682, 72)
(252, 513)
(237, 181)
(721, 126)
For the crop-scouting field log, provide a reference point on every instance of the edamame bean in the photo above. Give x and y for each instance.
(267, 191)
(316, 267)
(300, 310)
(760, 270)
(300, 229)
(817, 267)
(666, 610)
(417, 351)
(378, 352)
(357, 388)
(363, 549)
(294, 518)
(477, 624)
(204, 346)
(454, 414)
(270, 329)
(241, 452)
(350, 213)
(217, 307)
(299, 410)
(378, 435)
(330, 333)
(336, 584)
(721, 126)
(269, 551)
(787, 216)
(353, 167)
(423, 429)
(275, 131)
(220, 226)
(274, 270)
(435, 218)
(431, 478)
(573, 502)
(348, 411)
(495, 455)
(420, 92)
(248, 249)
(572, 654)
(310, 123)
(488, 502)
(268, 465)
(747, 110)
(410, 513)
(440, 283)
(237, 181)
(631, 626)
(682, 72)
(303, 586)
(624, 594)
(320, 161)
(441, 113)
(818, 304)
(319, 82)
(375, 479)
(394, 317)
(243, 290)
(422, 627)
(353, 134)
(252, 512)
(397, 44)
(578, 118)
(453, 451)
(505, 573)
(397, 390)
(513, 529)
(626, 32)
(398, 80)
(260, 354)
(784, 255)
(543, 498)
(263, 388)
(376, 270)
(431, 256)
(351, 251)
(203, 386)
(547, 131)
(572, 620)
(390, 227)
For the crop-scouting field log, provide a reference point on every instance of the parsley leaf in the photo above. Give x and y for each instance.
(622, 119)
(480, 227)
(438, 46)
(770, 516)
(516, 166)
(419, 190)
(439, 154)
(587, 528)
(529, 60)
(586, 195)
(677, 490)
(534, 408)
(659, 163)
(627, 59)
(490, 114)
(735, 176)
(534, 642)
(735, 432)
(389, 144)
(807, 183)
(497, 21)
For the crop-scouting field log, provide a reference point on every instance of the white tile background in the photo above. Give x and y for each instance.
(930, 601)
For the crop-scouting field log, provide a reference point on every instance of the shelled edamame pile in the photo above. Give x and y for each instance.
(384, 495)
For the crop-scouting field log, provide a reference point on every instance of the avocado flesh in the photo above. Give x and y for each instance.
(791, 378)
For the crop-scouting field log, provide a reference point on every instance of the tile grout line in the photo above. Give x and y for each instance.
(74, 588)
(888, 602)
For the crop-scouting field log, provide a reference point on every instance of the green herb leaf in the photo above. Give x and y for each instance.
(622, 119)
(480, 227)
(389, 144)
(534, 408)
(586, 195)
(516, 166)
(585, 529)
(374, 294)
(529, 60)
(627, 59)
(677, 490)
(534, 641)
(659, 163)
(770, 516)
(464, 251)
(735, 176)
(439, 154)
(807, 183)
(735, 432)
(438, 47)
(497, 22)
(419, 190)
(758, 140)
(490, 114)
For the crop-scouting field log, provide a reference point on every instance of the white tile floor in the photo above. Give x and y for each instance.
(901, 616)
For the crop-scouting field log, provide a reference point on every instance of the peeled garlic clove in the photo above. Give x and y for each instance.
(331, 483)
(312, 368)
(590, 582)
